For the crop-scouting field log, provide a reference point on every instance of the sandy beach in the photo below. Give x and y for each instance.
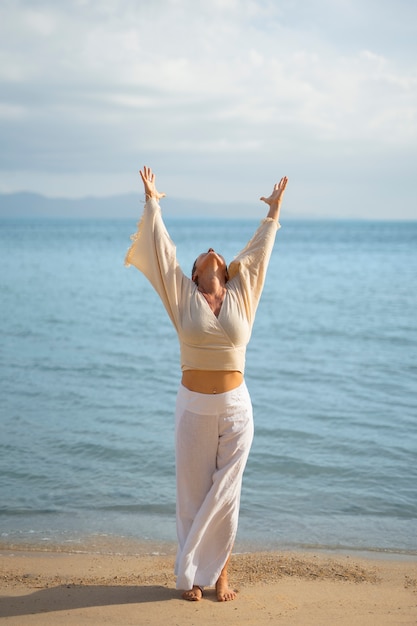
(77, 589)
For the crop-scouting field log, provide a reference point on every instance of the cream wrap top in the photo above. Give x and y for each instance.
(206, 342)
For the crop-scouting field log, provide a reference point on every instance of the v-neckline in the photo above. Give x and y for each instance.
(208, 305)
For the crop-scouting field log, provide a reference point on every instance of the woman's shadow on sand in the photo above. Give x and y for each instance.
(67, 597)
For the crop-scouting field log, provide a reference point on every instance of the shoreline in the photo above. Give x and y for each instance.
(116, 545)
(46, 587)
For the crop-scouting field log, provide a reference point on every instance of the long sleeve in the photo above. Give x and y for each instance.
(251, 264)
(154, 254)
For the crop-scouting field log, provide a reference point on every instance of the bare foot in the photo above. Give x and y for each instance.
(223, 591)
(193, 595)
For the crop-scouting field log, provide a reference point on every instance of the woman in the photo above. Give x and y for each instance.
(213, 314)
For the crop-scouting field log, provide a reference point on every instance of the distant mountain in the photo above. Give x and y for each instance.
(33, 205)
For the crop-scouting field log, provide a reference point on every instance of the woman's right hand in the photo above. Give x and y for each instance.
(148, 178)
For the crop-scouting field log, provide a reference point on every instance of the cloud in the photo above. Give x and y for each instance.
(236, 86)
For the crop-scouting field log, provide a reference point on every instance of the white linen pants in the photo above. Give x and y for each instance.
(213, 436)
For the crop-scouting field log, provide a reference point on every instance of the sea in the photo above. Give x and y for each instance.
(89, 371)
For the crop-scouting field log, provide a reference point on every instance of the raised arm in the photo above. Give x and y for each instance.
(275, 199)
(148, 178)
(153, 252)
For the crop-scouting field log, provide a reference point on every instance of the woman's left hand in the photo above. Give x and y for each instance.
(277, 193)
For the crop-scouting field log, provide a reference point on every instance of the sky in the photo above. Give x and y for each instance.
(220, 97)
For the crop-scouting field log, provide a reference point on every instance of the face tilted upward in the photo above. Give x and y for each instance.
(206, 260)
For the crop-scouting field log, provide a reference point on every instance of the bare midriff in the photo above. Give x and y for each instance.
(211, 381)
